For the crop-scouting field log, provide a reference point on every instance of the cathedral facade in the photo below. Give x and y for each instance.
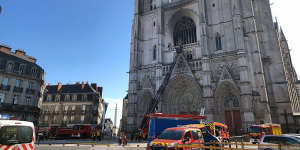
(235, 63)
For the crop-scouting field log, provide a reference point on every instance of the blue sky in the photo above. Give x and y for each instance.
(74, 40)
(89, 40)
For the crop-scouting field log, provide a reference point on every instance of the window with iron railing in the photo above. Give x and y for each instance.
(49, 98)
(5, 81)
(28, 101)
(19, 83)
(15, 99)
(9, 67)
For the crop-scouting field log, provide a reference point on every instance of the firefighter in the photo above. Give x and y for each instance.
(94, 134)
(98, 133)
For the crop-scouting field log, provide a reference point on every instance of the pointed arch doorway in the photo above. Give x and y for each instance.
(228, 107)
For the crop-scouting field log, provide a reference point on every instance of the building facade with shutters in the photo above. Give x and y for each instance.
(22, 85)
(79, 103)
(235, 63)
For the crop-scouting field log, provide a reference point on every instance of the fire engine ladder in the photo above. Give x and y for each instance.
(158, 95)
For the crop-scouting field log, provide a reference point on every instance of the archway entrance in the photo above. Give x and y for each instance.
(182, 96)
(228, 107)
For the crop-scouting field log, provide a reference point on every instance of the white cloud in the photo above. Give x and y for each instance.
(110, 113)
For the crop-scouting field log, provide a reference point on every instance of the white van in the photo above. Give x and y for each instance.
(16, 135)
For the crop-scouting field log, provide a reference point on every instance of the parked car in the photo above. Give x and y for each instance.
(294, 135)
(276, 142)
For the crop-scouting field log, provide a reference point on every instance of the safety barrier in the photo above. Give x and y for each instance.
(235, 146)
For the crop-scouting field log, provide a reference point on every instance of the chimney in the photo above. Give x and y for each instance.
(59, 86)
(20, 52)
(100, 89)
(32, 59)
(82, 85)
(94, 86)
(5, 49)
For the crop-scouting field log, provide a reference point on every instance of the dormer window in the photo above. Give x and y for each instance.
(22, 68)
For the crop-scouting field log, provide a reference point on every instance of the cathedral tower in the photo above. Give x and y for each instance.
(232, 65)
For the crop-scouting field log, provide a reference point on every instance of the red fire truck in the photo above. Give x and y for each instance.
(82, 131)
(257, 131)
(72, 131)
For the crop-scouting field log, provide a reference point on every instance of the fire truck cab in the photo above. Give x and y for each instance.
(176, 138)
(16, 134)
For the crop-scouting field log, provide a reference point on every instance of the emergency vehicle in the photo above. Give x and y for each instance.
(83, 131)
(158, 122)
(256, 132)
(219, 130)
(175, 138)
(16, 135)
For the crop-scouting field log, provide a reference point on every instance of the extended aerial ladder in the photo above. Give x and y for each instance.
(160, 91)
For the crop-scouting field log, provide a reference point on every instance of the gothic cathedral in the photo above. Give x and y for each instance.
(235, 63)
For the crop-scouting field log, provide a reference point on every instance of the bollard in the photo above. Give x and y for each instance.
(214, 145)
(243, 147)
(279, 146)
(236, 145)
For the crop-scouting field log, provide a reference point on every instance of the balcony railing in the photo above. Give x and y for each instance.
(177, 3)
(4, 87)
(18, 108)
(18, 89)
